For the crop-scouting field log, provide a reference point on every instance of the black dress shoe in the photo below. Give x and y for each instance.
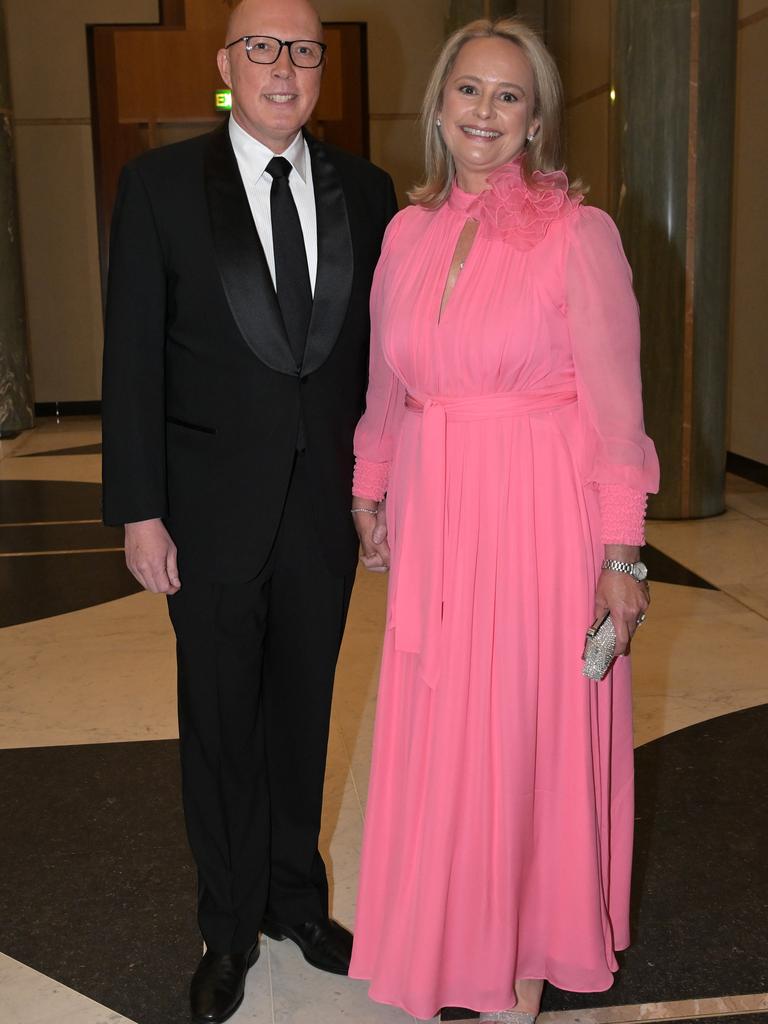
(218, 985)
(325, 944)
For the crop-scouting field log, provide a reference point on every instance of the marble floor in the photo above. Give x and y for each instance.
(87, 663)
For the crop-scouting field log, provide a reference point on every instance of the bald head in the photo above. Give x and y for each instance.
(248, 17)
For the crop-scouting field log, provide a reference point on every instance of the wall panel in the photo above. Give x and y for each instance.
(61, 260)
(590, 46)
(587, 126)
(748, 434)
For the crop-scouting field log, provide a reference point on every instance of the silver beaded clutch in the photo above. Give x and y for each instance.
(599, 648)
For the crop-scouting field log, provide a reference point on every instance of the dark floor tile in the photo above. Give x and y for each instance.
(700, 885)
(69, 537)
(38, 586)
(97, 888)
(38, 501)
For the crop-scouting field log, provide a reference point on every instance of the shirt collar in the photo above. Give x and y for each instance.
(253, 156)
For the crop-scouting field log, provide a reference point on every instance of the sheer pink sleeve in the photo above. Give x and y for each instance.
(618, 456)
(376, 434)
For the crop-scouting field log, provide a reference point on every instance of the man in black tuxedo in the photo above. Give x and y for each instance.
(234, 374)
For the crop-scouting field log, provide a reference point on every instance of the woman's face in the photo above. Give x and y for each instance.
(487, 108)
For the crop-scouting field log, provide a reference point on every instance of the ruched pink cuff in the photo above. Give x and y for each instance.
(370, 479)
(622, 514)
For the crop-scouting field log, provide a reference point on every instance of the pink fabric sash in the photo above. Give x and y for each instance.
(418, 597)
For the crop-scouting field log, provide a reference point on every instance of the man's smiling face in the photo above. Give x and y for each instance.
(272, 102)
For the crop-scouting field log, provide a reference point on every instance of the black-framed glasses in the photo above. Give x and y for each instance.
(304, 53)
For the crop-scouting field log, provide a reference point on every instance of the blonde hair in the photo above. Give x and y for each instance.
(541, 154)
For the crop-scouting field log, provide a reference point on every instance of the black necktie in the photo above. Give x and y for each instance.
(294, 292)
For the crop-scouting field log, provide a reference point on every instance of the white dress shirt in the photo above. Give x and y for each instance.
(252, 159)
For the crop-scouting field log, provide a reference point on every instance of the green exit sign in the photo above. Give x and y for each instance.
(223, 99)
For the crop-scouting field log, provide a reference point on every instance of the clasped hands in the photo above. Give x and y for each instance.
(372, 531)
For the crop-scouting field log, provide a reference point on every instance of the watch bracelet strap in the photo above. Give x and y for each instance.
(616, 566)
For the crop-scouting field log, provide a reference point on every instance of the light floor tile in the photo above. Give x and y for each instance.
(337, 762)
(729, 551)
(48, 429)
(99, 675)
(84, 469)
(28, 997)
(354, 700)
(700, 654)
(257, 1002)
(303, 995)
(340, 839)
(746, 497)
(48, 435)
(342, 856)
(11, 445)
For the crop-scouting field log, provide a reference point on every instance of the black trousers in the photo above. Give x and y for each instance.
(256, 664)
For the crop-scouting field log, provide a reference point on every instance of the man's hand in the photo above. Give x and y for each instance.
(150, 554)
(372, 531)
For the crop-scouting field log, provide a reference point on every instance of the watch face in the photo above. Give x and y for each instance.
(639, 571)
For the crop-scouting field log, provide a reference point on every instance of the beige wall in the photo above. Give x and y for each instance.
(748, 433)
(49, 80)
(49, 76)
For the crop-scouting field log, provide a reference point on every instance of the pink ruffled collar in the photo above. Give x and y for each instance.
(511, 210)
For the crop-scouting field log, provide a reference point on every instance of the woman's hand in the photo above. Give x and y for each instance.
(372, 531)
(621, 594)
(626, 599)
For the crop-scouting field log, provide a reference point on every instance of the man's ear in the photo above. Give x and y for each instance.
(222, 59)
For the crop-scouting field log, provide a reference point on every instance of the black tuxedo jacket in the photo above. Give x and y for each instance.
(202, 399)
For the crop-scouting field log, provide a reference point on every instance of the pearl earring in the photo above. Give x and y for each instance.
(530, 138)
(439, 123)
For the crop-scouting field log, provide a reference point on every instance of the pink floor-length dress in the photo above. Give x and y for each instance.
(508, 433)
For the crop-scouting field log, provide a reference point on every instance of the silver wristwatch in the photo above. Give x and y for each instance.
(637, 570)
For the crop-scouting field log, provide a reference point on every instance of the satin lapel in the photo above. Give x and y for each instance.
(335, 260)
(240, 258)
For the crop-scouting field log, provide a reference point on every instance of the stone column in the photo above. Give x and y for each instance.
(16, 405)
(674, 80)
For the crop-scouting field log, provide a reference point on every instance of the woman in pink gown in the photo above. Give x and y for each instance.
(504, 423)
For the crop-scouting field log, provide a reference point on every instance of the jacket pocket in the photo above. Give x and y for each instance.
(189, 426)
